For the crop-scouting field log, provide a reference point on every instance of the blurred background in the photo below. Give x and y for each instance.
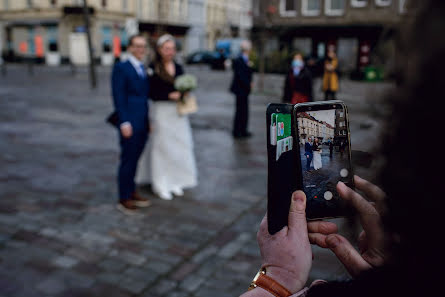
(60, 234)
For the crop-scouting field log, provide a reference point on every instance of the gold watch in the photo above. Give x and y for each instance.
(269, 284)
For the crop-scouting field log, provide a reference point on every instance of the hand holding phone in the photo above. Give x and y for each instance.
(308, 149)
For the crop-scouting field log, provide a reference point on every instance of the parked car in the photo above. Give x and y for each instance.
(202, 57)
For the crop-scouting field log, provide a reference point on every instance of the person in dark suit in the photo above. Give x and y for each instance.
(308, 152)
(130, 87)
(241, 87)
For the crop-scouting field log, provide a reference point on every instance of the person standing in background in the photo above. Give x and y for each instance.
(130, 86)
(298, 83)
(241, 87)
(330, 76)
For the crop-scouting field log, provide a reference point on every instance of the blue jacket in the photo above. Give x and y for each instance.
(242, 77)
(130, 96)
(308, 149)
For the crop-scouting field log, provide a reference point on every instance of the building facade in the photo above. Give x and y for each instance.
(351, 27)
(44, 28)
(228, 19)
(308, 126)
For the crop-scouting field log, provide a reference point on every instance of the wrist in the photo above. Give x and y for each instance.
(286, 278)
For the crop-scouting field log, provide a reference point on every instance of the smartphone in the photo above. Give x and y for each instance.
(282, 164)
(324, 146)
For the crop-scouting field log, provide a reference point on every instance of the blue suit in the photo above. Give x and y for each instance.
(308, 152)
(130, 98)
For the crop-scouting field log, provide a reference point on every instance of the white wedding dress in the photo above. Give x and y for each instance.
(316, 160)
(168, 161)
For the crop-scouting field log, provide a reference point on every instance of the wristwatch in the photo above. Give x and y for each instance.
(269, 284)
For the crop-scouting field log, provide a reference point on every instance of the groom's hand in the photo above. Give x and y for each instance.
(126, 130)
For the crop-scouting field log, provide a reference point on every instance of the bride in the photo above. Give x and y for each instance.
(316, 161)
(170, 153)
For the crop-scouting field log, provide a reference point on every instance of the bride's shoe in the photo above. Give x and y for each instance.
(178, 191)
(165, 195)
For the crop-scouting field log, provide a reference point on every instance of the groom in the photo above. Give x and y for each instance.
(130, 87)
(308, 152)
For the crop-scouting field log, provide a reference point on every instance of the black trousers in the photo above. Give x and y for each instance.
(241, 115)
(329, 95)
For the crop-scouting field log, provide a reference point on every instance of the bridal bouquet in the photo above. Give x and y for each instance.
(185, 84)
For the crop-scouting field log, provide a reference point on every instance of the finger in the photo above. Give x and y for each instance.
(322, 227)
(358, 202)
(318, 239)
(368, 215)
(371, 191)
(263, 230)
(297, 213)
(346, 253)
(362, 242)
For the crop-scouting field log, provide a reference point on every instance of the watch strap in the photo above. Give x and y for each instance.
(272, 286)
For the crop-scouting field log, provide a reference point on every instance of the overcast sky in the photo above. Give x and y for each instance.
(327, 116)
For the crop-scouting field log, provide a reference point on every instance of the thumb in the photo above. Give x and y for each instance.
(347, 254)
(297, 213)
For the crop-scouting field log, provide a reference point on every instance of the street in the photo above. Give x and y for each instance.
(60, 233)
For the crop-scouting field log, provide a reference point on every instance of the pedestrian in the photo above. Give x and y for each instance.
(330, 76)
(170, 158)
(316, 155)
(241, 87)
(130, 87)
(331, 148)
(308, 152)
(399, 250)
(298, 82)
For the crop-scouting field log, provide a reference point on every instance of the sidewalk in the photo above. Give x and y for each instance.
(60, 234)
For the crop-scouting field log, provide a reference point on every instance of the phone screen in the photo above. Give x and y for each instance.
(323, 139)
(281, 165)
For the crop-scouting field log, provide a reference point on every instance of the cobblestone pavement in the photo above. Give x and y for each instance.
(60, 234)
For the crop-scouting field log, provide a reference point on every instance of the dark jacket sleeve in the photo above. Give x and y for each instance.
(118, 85)
(287, 89)
(309, 85)
(242, 76)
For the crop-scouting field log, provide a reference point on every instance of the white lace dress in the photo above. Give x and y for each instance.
(168, 162)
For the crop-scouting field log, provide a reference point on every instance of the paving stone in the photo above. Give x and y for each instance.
(83, 254)
(133, 285)
(51, 286)
(230, 249)
(192, 282)
(65, 262)
(132, 258)
(157, 266)
(163, 287)
(184, 270)
(109, 277)
(112, 264)
(204, 254)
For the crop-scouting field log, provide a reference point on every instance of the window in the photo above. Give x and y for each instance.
(383, 2)
(402, 6)
(29, 3)
(359, 3)
(311, 7)
(125, 5)
(334, 7)
(288, 8)
(6, 4)
(53, 2)
(104, 3)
